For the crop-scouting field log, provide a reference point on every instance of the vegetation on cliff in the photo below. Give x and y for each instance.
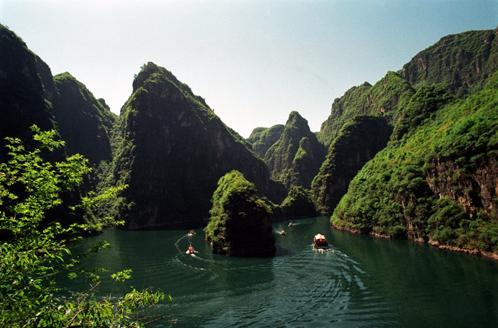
(240, 222)
(459, 62)
(384, 99)
(296, 156)
(437, 183)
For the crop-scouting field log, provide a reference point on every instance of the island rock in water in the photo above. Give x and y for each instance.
(240, 221)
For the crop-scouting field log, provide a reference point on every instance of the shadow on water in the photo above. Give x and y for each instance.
(358, 282)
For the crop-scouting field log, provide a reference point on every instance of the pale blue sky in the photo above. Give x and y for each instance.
(253, 61)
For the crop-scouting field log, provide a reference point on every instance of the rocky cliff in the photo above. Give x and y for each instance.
(296, 156)
(383, 99)
(357, 143)
(457, 61)
(436, 179)
(172, 152)
(438, 183)
(25, 89)
(84, 122)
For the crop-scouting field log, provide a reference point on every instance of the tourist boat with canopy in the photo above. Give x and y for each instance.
(319, 241)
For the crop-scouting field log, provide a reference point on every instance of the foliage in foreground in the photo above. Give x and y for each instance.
(35, 250)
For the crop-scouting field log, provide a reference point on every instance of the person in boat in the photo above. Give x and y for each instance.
(319, 241)
(191, 250)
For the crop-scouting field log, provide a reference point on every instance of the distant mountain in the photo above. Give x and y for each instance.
(295, 157)
(84, 122)
(173, 150)
(261, 139)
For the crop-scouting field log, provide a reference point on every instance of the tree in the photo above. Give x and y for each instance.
(34, 250)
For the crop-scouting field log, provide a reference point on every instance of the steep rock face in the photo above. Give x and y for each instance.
(474, 190)
(240, 221)
(438, 183)
(261, 139)
(458, 61)
(357, 143)
(295, 158)
(173, 151)
(25, 87)
(384, 99)
(84, 122)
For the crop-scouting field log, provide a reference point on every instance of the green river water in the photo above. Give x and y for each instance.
(359, 282)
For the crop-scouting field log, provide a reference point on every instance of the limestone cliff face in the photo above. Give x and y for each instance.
(458, 61)
(295, 158)
(84, 122)
(475, 190)
(173, 151)
(25, 89)
(357, 143)
(261, 139)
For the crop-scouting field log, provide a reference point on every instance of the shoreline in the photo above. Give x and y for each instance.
(432, 243)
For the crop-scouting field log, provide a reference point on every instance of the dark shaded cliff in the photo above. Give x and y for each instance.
(172, 152)
(84, 122)
(25, 89)
(357, 143)
(261, 139)
(297, 155)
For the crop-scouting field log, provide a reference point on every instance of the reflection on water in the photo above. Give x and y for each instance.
(358, 282)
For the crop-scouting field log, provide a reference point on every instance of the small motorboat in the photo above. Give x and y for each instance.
(319, 241)
(191, 233)
(291, 224)
(282, 232)
(190, 250)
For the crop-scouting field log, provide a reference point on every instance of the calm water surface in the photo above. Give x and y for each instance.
(360, 282)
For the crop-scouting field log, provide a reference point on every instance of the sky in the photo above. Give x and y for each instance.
(253, 61)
